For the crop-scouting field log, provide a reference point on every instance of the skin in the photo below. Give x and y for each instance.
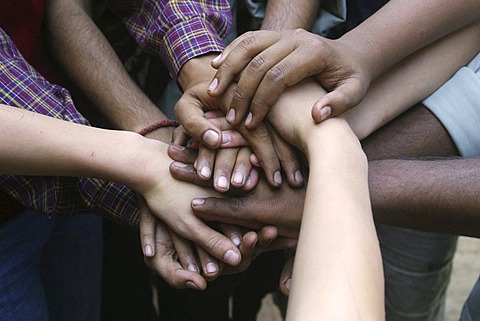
(337, 274)
(416, 133)
(94, 66)
(38, 145)
(268, 63)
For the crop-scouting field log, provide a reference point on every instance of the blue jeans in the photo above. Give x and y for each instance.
(50, 268)
(471, 308)
(417, 268)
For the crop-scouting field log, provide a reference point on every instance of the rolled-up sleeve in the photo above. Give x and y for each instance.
(176, 30)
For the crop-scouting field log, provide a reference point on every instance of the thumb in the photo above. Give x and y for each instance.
(338, 101)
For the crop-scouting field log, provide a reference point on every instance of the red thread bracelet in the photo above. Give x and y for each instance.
(159, 124)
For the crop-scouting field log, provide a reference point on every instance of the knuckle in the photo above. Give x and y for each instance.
(248, 40)
(240, 94)
(260, 104)
(214, 243)
(277, 73)
(236, 206)
(257, 64)
(225, 67)
(147, 236)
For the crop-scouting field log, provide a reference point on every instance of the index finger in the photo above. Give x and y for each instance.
(237, 55)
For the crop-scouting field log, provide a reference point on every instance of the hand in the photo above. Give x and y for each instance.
(286, 276)
(231, 162)
(230, 165)
(268, 62)
(175, 264)
(190, 111)
(170, 201)
(262, 206)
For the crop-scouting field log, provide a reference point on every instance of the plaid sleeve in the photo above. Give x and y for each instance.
(22, 87)
(177, 30)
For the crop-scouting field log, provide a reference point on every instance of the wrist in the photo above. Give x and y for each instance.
(143, 163)
(197, 70)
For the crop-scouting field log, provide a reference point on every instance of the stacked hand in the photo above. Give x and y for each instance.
(265, 63)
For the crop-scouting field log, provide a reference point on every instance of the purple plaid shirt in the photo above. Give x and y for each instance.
(177, 30)
(22, 87)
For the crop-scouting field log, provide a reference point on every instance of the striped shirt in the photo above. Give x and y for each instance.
(23, 87)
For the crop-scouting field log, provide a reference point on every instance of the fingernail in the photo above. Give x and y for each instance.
(238, 178)
(213, 84)
(191, 285)
(222, 182)
(226, 138)
(231, 115)
(325, 112)
(231, 257)
(198, 201)
(205, 172)
(178, 147)
(249, 119)
(148, 250)
(288, 283)
(179, 165)
(298, 177)
(192, 268)
(277, 178)
(236, 240)
(211, 268)
(210, 137)
(217, 58)
(254, 160)
(249, 181)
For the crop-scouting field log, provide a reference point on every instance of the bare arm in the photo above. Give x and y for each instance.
(400, 28)
(439, 194)
(285, 14)
(338, 271)
(389, 96)
(34, 144)
(345, 67)
(91, 62)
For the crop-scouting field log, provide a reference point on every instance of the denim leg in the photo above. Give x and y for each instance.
(471, 308)
(22, 239)
(71, 268)
(417, 269)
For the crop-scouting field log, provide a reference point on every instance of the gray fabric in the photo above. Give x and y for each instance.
(457, 105)
(331, 14)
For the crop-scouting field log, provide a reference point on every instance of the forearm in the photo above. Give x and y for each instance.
(33, 144)
(413, 79)
(400, 88)
(401, 27)
(435, 195)
(337, 271)
(91, 62)
(287, 14)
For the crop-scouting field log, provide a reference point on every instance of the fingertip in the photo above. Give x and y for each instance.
(286, 286)
(232, 257)
(198, 202)
(148, 251)
(320, 112)
(213, 85)
(217, 60)
(211, 138)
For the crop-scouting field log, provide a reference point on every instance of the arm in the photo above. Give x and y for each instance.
(417, 77)
(284, 14)
(338, 269)
(439, 194)
(91, 62)
(33, 144)
(345, 67)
